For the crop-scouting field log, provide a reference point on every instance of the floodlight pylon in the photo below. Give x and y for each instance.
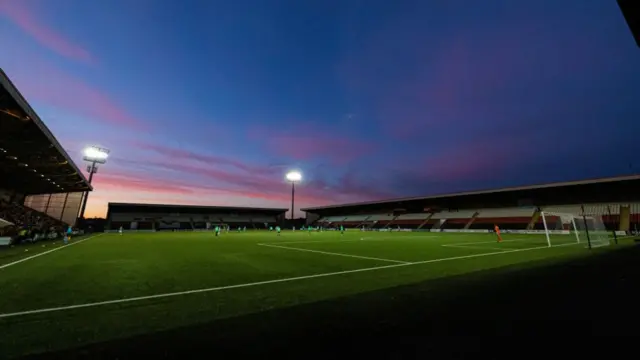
(293, 177)
(93, 155)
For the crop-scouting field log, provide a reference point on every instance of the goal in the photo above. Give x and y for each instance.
(565, 229)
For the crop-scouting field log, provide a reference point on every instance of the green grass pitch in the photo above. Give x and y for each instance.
(110, 286)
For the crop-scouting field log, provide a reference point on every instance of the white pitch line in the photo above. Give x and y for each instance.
(47, 252)
(494, 241)
(474, 247)
(523, 240)
(360, 240)
(312, 241)
(322, 241)
(335, 254)
(623, 237)
(229, 287)
(402, 238)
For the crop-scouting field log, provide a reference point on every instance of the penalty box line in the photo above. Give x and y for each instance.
(48, 252)
(465, 244)
(474, 247)
(460, 246)
(259, 283)
(490, 242)
(409, 238)
(334, 254)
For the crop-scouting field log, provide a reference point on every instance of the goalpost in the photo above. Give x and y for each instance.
(564, 229)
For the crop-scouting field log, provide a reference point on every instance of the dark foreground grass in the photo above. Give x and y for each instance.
(455, 290)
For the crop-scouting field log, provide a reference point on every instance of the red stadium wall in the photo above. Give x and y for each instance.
(383, 221)
(458, 221)
(408, 222)
(503, 220)
(348, 223)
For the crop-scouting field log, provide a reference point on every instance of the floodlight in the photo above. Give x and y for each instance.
(96, 155)
(294, 176)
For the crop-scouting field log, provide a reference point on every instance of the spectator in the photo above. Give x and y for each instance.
(27, 222)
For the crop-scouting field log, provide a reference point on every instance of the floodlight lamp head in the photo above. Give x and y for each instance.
(294, 176)
(96, 154)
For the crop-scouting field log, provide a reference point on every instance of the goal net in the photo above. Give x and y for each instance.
(565, 229)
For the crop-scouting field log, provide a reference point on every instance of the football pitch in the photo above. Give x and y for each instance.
(107, 286)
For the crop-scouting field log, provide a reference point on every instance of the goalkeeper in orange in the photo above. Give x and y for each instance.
(497, 230)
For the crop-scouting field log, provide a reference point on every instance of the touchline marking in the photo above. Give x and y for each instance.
(48, 252)
(221, 288)
(335, 254)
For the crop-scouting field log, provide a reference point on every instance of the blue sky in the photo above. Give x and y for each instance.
(211, 102)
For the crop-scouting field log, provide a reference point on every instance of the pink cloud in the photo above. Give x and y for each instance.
(24, 17)
(209, 184)
(447, 90)
(121, 182)
(181, 154)
(339, 151)
(144, 183)
(269, 187)
(152, 190)
(69, 93)
(459, 79)
(254, 186)
(307, 142)
(479, 160)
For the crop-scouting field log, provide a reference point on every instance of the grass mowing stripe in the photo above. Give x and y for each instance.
(335, 254)
(47, 252)
(267, 282)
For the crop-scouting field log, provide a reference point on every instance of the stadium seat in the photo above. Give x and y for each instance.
(27, 222)
(411, 221)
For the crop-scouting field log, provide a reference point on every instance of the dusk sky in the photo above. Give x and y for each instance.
(211, 102)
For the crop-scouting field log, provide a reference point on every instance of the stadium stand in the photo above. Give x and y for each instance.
(38, 180)
(516, 209)
(452, 219)
(233, 220)
(413, 221)
(507, 218)
(524, 218)
(156, 217)
(380, 221)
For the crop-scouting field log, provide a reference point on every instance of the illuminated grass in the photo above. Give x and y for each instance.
(111, 267)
